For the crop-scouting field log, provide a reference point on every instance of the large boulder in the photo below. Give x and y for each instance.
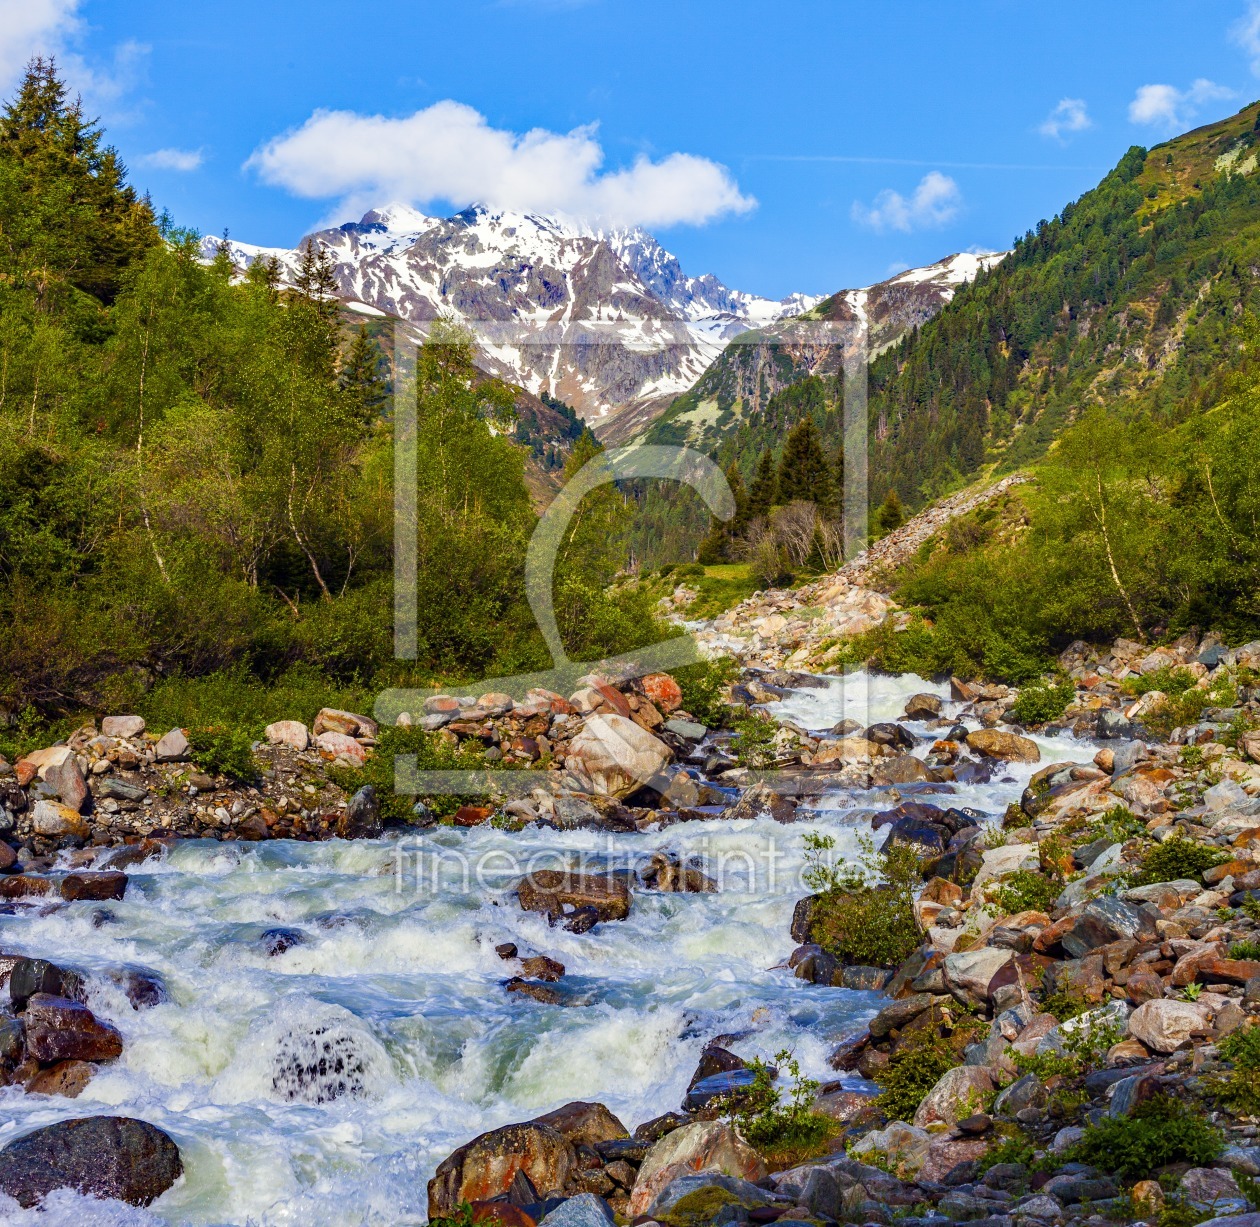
(486, 1166)
(67, 779)
(956, 1095)
(94, 884)
(172, 747)
(617, 754)
(900, 1147)
(552, 891)
(340, 748)
(703, 1146)
(361, 819)
(122, 726)
(330, 720)
(54, 820)
(584, 1210)
(58, 1029)
(1009, 858)
(973, 976)
(1105, 920)
(662, 690)
(1010, 747)
(584, 1124)
(291, 733)
(98, 1156)
(1164, 1025)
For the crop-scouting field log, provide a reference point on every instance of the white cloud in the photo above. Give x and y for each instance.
(1069, 116)
(172, 159)
(1165, 106)
(1246, 33)
(32, 27)
(933, 203)
(448, 152)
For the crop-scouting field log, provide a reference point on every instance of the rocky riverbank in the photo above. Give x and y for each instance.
(1084, 957)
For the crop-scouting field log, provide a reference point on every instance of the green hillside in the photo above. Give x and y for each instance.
(1132, 299)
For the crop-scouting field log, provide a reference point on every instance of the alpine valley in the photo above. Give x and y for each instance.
(923, 888)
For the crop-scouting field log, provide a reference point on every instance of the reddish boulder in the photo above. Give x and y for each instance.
(485, 1167)
(58, 1029)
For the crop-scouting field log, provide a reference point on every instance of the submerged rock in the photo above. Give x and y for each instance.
(98, 1156)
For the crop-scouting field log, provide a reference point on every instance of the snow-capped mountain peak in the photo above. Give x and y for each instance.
(605, 320)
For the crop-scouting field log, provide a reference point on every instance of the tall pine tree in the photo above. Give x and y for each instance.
(804, 473)
(764, 491)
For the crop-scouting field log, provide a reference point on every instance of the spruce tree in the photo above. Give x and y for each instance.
(66, 206)
(764, 491)
(804, 473)
(891, 514)
(361, 379)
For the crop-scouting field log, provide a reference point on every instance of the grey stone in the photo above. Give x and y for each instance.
(172, 748)
(688, 730)
(584, 1210)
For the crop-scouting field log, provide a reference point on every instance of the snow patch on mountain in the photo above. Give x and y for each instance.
(602, 319)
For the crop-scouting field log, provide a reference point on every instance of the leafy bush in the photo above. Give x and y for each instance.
(1170, 680)
(754, 739)
(865, 910)
(223, 751)
(1039, 703)
(1160, 1130)
(915, 1068)
(462, 1217)
(432, 751)
(1025, 890)
(704, 686)
(774, 1126)
(1245, 950)
(1239, 1090)
(1177, 858)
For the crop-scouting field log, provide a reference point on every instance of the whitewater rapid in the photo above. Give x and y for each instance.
(401, 981)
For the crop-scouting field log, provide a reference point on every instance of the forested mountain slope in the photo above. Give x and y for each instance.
(1132, 298)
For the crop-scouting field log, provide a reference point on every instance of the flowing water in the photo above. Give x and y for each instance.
(323, 1084)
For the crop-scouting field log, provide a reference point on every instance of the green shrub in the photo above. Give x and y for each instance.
(1170, 680)
(223, 751)
(690, 570)
(704, 686)
(754, 739)
(914, 1069)
(1177, 858)
(1245, 950)
(774, 1125)
(864, 912)
(1239, 1090)
(432, 752)
(1160, 1130)
(1025, 890)
(1038, 703)
(462, 1217)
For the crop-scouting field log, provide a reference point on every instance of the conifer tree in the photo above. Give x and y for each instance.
(764, 491)
(803, 470)
(361, 379)
(67, 207)
(891, 514)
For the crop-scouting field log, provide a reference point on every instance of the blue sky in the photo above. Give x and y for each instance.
(787, 145)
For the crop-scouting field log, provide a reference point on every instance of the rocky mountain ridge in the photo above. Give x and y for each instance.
(604, 320)
(761, 362)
